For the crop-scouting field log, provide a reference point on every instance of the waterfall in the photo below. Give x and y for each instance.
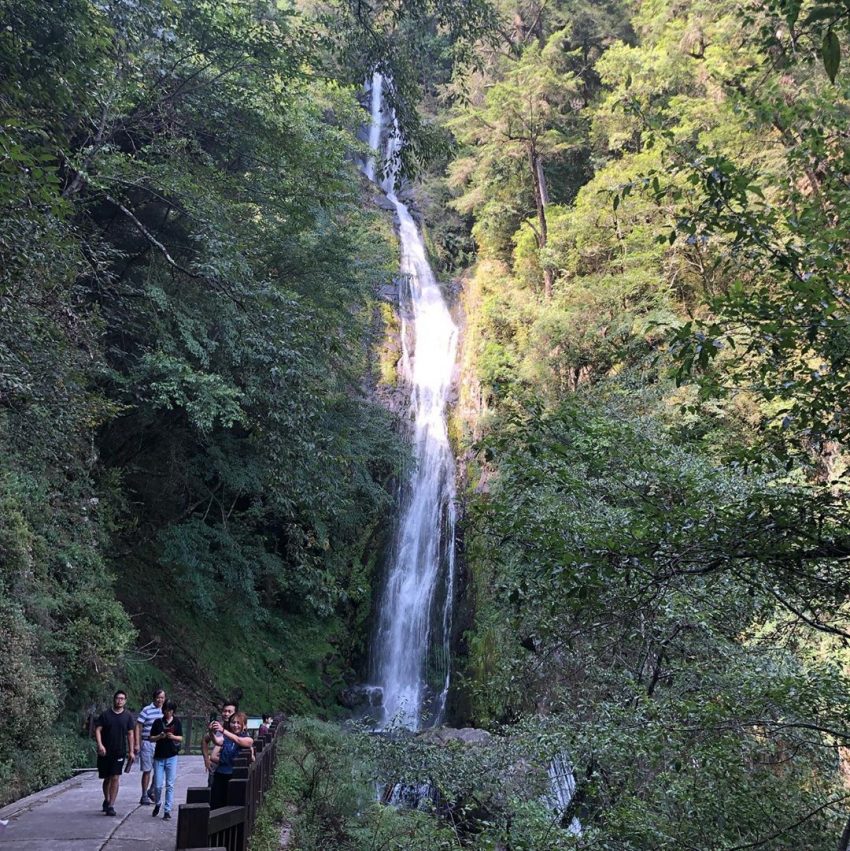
(562, 787)
(375, 124)
(410, 660)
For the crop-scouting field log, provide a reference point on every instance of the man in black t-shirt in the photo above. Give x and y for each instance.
(114, 732)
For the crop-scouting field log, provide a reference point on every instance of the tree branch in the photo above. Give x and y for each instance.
(785, 829)
(167, 256)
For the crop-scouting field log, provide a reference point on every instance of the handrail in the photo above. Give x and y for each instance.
(230, 827)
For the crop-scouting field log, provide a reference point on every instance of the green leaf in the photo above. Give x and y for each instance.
(792, 12)
(822, 13)
(831, 54)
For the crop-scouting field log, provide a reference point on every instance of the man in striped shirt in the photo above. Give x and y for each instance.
(145, 748)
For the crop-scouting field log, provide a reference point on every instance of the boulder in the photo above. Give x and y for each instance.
(360, 696)
(464, 735)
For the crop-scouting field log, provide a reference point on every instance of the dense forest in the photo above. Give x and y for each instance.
(639, 210)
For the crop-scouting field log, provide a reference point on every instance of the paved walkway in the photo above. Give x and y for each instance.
(68, 817)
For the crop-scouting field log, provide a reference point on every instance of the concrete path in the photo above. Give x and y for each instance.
(68, 817)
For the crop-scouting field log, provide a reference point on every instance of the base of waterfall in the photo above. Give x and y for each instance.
(553, 780)
(411, 711)
(343, 786)
(446, 735)
(424, 795)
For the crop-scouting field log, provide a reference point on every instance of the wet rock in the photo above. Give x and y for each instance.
(383, 202)
(360, 697)
(464, 735)
(389, 293)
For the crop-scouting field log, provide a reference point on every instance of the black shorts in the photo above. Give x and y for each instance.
(109, 766)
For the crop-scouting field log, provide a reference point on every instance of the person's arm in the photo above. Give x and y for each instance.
(157, 732)
(178, 735)
(131, 742)
(101, 750)
(138, 745)
(242, 741)
(205, 750)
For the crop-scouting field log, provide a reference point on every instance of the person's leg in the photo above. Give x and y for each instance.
(114, 782)
(170, 776)
(158, 772)
(218, 793)
(158, 780)
(104, 772)
(146, 766)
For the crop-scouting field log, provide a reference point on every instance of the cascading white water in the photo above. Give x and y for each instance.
(562, 787)
(411, 650)
(374, 125)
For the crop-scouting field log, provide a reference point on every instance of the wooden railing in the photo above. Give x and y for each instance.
(229, 827)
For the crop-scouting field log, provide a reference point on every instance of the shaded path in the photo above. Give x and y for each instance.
(67, 817)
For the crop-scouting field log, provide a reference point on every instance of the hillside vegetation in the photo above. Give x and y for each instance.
(655, 404)
(194, 480)
(644, 205)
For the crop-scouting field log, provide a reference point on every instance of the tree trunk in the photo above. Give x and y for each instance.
(540, 201)
(541, 182)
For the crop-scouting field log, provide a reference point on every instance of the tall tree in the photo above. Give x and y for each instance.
(530, 115)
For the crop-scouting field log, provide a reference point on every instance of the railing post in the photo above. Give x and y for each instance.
(260, 780)
(193, 822)
(247, 789)
(237, 793)
(259, 768)
(198, 795)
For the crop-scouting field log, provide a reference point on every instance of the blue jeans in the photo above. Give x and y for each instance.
(164, 774)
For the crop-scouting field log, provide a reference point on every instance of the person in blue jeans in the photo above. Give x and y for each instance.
(167, 733)
(229, 741)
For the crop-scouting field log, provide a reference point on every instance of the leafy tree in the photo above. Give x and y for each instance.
(627, 591)
(188, 279)
(526, 117)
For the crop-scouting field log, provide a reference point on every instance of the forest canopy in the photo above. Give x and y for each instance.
(188, 294)
(643, 208)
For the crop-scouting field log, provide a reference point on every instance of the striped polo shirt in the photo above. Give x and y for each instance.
(146, 718)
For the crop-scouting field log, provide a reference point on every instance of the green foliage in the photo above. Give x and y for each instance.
(510, 131)
(811, 29)
(771, 325)
(325, 788)
(187, 287)
(630, 588)
(59, 619)
(788, 325)
(642, 600)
